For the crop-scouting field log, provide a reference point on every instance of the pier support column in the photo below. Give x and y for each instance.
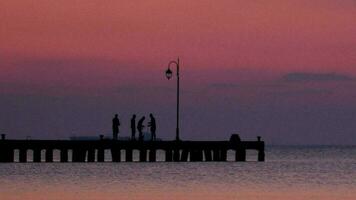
(91, 155)
(128, 155)
(143, 155)
(192, 156)
(261, 155)
(37, 155)
(6, 155)
(240, 155)
(207, 154)
(223, 155)
(116, 154)
(169, 156)
(184, 156)
(49, 155)
(75, 156)
(23, 155)
(64, 155)
(199, 155)
(216, 155)
(79, 155)
(152, 155)
(176, 155)
(101, 155)
(196, 155)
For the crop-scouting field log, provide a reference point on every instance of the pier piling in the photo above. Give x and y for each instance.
(207, 154)
(169, 156)
(49, 155)
(128, 155)
(143, 155)
(261, 155)
(37, 155)
(64, 155)
(116, 155)
(240, 155)
(185, 154)
(23, 155)
(152, 155)
(176, 155)
(216, 155)
(101, 155)
(7, 155)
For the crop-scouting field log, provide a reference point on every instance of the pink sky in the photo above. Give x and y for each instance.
(234, 53)
(278, 34)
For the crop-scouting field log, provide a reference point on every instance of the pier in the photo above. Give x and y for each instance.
(94, 151)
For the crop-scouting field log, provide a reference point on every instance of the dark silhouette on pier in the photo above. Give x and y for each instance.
(140, 127)
(133, 127)
(94, 150)
(152, 125)
(115, 127)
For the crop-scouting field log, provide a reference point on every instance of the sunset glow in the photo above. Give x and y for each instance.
(93, 58)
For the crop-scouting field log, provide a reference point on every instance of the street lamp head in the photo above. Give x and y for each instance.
(169, 73)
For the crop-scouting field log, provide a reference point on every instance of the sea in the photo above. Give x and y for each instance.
(289, 173)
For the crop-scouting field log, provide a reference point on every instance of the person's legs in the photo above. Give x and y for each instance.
(133, 135)
(140, 136)
(115, 134)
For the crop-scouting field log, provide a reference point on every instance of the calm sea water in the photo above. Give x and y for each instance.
(314, 172)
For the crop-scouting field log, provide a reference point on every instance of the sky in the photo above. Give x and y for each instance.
(281, 69)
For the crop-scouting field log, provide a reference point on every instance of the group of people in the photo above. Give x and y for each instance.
(139, 127)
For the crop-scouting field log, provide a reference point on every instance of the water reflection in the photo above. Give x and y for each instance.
(289, 173)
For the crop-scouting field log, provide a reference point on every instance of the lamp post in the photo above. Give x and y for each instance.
(169, 75)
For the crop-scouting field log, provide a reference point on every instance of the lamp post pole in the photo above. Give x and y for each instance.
(177, 129)
(169, 75)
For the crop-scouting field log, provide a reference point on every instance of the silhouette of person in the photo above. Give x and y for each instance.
(152, 125)
(140, 128)
(115, 127)
(133, 127)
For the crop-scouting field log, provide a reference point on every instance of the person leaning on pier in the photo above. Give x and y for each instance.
(133, 127)
(152, 125)
(140, 128)
(115, 127)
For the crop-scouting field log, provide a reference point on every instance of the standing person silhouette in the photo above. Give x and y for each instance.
(133, 127)
(115, 127)
(152, 125)
(140, 128)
